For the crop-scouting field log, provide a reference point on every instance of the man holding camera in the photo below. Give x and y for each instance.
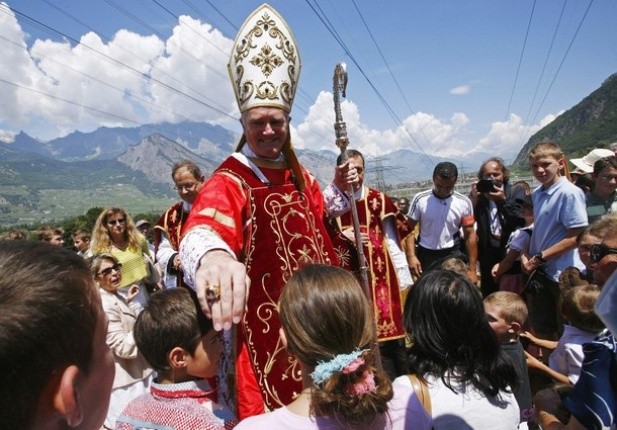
(441, 213)
(496, 218)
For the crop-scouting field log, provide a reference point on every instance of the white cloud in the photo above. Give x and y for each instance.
(195, 57)
(420, 132)
(460, 90)
(193, 61)
(50, 86)
(6, 136)
(510, 136)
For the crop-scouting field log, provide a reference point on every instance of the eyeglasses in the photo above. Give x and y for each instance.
(188, 187)
(116, 221)
(598, 252)
(107, 271)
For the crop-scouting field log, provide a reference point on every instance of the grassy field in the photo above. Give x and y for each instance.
(18, 207)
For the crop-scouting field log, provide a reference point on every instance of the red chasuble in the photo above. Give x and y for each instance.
(171, 223)
(403, 226)
(383, 283)
(274, 229)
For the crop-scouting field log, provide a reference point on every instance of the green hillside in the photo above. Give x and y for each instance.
(58, 190)
(590, 124)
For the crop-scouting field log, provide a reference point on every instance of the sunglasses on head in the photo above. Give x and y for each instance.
(598, 251)
(116, 221)
(107, 271)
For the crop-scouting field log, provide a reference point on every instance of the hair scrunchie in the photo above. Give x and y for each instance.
(346, 363)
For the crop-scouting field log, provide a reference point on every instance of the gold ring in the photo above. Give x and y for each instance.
(213, 293)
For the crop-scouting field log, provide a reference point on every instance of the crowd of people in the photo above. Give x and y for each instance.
(264, 302)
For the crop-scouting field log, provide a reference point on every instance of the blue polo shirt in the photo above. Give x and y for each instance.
(556, 210)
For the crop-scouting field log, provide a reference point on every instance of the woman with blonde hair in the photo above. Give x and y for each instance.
(115, 233)
(328, 326)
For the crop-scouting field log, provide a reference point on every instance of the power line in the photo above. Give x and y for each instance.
(132, 54)
(428, 143)
(324, 19)
(548, 54)
(107, 84)
(120, 63)
(136, 19)
(72, 102)
(194, 31)
(565, 55)
(520, 60)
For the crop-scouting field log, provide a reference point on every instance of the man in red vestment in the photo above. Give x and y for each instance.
(387, 264)
(258, 218)
(188, 180)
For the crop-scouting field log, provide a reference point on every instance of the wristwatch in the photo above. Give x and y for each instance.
(539, 257)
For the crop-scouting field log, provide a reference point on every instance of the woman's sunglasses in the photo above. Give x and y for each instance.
(598, 251)
(116, 221)
(107, 271)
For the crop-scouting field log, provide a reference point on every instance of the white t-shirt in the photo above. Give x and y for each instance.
(404, 412)
(567, 357)
(440, 219)
(468, 408)
(519, 240)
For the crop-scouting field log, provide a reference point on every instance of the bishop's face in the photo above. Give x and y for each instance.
(266, 130)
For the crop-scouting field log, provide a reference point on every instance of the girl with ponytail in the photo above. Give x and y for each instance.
(328, 326)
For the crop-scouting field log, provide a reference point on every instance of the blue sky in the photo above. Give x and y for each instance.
(454, 65)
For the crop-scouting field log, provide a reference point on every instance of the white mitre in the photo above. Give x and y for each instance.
(264, 65)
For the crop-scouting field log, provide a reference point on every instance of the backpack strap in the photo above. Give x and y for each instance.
(420, 387)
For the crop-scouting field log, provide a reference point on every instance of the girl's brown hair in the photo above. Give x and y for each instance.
(325, 313)
(577, 306)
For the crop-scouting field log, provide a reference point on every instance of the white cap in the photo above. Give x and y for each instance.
(265, 64)
(141, 222)
(586, 163)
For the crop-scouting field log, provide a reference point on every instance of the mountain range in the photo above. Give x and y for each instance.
(130, 167)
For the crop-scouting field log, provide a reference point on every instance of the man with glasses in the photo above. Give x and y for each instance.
(603, 198)
(188, 180)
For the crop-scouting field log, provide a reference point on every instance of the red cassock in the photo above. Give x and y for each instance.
(373, 209)
(274, 229)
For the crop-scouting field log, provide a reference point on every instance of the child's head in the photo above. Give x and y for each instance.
(51, 235)
(604, 175)
(584, 241)
(456, 265)
(577, 308)
(57, 370)
(328, 325)
(14, 235)
(571, 277)
(506, 312)
(521, 195)
(546, 160)
(176, 339)
(81, 240)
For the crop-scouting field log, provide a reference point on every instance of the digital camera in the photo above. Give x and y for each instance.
(485, 186)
